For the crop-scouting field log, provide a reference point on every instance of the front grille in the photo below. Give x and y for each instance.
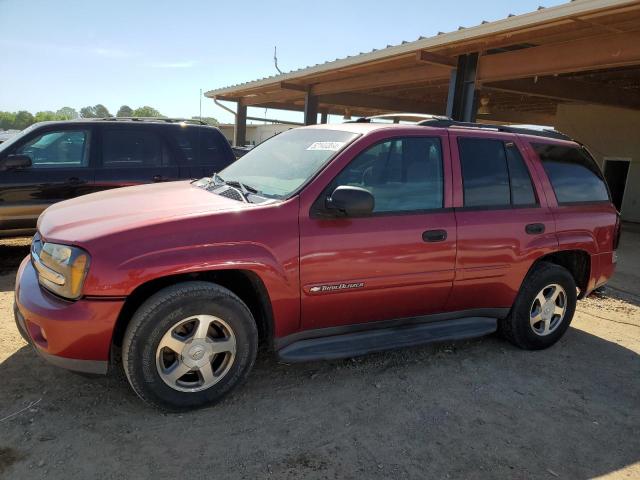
(232, 193)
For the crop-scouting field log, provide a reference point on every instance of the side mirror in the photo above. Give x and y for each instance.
(351, 201)
(15, 162)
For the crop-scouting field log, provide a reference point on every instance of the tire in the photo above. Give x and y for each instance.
(545, 279)
(209, 325)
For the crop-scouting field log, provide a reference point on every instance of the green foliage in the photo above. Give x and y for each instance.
(209, 120)
(45, 116)
(67, 113)
(146, 111)
(22, 119)
(125, 111)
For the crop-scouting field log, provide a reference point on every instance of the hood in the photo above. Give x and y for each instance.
(105, 213)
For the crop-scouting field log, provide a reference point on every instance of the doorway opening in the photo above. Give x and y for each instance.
(616, 171)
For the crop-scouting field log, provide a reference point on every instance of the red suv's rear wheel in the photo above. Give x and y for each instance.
(543, 309)
(188, 345)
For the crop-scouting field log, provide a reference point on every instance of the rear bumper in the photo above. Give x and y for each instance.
(73, 335)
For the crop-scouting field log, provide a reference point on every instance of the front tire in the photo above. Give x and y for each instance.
(188, 345)
(543, 309)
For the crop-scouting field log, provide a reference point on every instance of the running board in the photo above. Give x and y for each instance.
(361, 343)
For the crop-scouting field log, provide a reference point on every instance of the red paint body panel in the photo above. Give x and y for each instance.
(139, 234)
(77, 330)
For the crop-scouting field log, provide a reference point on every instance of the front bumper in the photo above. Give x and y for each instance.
(73, 335)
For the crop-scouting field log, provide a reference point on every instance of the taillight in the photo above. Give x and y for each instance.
(616, 232)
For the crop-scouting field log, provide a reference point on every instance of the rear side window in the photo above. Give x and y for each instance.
(494, 174)
(573, 174)
(129, 148)
(203, 146)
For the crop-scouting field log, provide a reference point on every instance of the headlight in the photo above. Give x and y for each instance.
(61, 268)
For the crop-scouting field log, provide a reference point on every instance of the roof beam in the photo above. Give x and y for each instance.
(382, 103)
(421, 74)
(512, 116)
(435, 59)
(294, 86)
(275, 96)
(608, 51)
(572, 90)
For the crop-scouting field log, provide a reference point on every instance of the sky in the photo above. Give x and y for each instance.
(161, 53)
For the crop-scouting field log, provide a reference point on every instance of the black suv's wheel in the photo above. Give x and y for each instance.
(188, 345)
(543, 309)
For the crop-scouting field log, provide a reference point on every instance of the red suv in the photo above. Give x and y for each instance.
(324, 242)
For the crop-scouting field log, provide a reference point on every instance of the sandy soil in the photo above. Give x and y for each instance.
(477, 409)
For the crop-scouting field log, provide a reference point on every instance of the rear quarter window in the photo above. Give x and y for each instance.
(204, 146)
(574, 175)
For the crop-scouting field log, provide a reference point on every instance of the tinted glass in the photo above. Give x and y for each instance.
(403, 175)
(280, 165)
(128, 148)
(202, 146)
(485, 175)
(521, 186)
(574, 175)
(64, 148)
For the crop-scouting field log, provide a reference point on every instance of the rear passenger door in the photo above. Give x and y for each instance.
(134, 154)
(503, 221)
(203, 150)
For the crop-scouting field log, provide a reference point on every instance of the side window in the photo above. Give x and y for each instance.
(573, 174)
(485, 176)
(403, 175)
(521, 187)
(202, 147)
(127, 148)
(494, 174)
(60, 149)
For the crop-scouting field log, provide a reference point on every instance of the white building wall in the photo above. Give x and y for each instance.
(608, 132)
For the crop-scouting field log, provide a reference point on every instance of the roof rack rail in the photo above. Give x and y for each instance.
(154, 119)
(398, 117)
(524, 130)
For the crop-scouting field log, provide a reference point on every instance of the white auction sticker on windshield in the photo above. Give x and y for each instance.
(327, 146)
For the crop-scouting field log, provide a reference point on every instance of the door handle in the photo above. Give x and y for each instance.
(534, 228)
(159, 178)
(434, 236)
(75, 181)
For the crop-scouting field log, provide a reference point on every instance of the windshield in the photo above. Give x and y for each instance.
(282, 164)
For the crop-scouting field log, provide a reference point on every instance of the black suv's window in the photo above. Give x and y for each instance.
(403, 175)
(58, 149)
(494, 174)
(574, 175)
(203, 146)
(132, 148)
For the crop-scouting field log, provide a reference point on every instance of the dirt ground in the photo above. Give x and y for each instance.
(476, 409)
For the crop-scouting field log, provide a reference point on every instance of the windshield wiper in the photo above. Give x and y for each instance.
(246, 189)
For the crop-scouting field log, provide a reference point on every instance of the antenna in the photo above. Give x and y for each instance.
(275, 59)
(200, 104)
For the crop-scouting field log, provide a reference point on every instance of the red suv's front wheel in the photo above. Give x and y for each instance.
(188, 345)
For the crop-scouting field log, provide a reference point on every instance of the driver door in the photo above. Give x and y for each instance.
(395, 263)
(60, 169)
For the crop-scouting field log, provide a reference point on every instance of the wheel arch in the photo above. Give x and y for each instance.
(576, 261)
(246, 284)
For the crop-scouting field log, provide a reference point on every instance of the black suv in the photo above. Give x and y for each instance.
(54, 161)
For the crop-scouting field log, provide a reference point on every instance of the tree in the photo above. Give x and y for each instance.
(7, 120)
(88, 112)
(23, 120)
(146, 111)
(45, 116)
(125, 111)
(66, 113)
(209, 120)
(101, 111)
